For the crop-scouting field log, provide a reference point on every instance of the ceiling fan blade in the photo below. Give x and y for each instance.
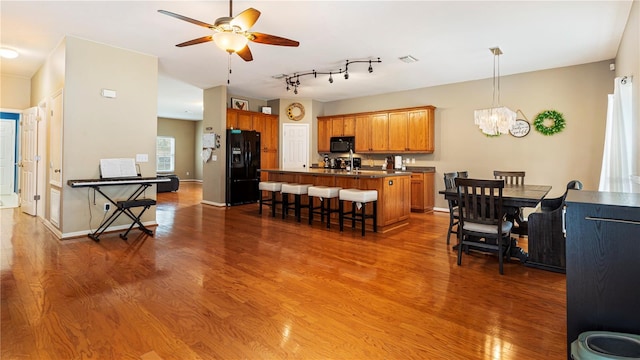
(245, 53)
(187, 19)
(196, 41)
(271, 39)
(246, 19)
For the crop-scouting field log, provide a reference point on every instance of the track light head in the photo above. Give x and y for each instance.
(295, 91)
(330, 78)
(346, 76)
(370, 67)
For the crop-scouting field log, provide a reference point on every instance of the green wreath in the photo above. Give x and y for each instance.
(540, 122)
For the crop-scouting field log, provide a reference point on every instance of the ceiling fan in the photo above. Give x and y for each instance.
(232, 34)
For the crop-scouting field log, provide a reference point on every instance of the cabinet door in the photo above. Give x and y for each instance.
(398, 129)
(380, 132)
(245, 120)
(337, 126)
(429, 191)
(259, 124)
(417, 192)
(349, 126)
(232, 119)
(324, 134)
(363, 128)
(420, 131)
(272, 133)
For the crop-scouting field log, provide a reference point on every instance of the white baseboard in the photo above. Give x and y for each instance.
(206, 202)
(81, 233)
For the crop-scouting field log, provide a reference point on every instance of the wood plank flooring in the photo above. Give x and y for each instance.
(217, 283)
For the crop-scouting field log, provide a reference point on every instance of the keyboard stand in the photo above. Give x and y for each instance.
(124, 207)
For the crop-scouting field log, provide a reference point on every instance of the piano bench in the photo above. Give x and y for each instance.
(135, 203)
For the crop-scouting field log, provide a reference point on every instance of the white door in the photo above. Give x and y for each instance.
(295, 146)
(55, 142)
(29, 160)
(7, 156)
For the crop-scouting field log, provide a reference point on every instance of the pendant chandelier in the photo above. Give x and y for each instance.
(497, 119)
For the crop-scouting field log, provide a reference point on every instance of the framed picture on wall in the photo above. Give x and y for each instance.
(239, 104)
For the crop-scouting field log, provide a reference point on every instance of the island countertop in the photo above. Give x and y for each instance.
(341, 172)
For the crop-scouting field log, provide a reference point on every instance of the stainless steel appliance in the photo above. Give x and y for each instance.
(243, 163)
(342, 144)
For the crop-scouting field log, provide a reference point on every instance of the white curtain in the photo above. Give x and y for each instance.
(620, 156)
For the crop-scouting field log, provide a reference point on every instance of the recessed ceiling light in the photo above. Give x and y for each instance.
(8, 53)
(408, 59)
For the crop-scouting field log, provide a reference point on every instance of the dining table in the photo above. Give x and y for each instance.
(514, 197)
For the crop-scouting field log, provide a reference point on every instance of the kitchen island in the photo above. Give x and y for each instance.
(394, 190)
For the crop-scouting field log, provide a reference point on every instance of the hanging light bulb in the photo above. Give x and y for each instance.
(346, 75)
(295, 91)
(298, 80)
(330, 78)
(370, 67)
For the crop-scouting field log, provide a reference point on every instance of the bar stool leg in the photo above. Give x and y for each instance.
(341, 214)
(285, 204)
(260, 201)
(310, 210)
(363, 216)
(298, 211)
(273, 204)
(375, 216)
(353, 214)
(328, 213)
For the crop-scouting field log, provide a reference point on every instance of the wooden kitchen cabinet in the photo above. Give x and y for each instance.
(239, 119)
(420, 130)
(409, 130)
(379, 132)
(363, 129)
(422, 191)
(398, 131)
(324, 134)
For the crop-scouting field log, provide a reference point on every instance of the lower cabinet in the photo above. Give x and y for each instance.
(422, 191)
(603, 249)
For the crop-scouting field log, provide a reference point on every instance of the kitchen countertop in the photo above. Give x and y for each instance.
(371, 173)
(423, 169)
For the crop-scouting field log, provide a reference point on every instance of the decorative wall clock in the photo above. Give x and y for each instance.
(295, 111)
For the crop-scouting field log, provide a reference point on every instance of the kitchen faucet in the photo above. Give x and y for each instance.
(350, 159)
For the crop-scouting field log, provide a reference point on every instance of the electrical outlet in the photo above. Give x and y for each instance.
(107, 206)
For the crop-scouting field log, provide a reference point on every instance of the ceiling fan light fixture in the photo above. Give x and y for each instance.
(7, 53)
(230, 41)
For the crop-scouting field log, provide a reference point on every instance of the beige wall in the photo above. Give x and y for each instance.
(579, 92)
(184, 133)
(215, 120)
(197, 148)
(96, 127)
(15, 92)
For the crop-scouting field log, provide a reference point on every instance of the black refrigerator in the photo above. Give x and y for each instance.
(243, 163)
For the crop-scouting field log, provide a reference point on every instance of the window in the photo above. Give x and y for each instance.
(165, 154)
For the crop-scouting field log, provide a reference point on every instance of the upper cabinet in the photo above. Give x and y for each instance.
(407, 130)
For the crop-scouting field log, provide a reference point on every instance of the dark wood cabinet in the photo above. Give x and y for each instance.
(603, 263)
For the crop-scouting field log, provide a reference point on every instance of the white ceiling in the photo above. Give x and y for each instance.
(450, 38)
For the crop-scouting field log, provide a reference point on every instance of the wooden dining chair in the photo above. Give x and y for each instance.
(482, 223)
(510, 177)
(517, 217)
(450, 184)
(546, 242)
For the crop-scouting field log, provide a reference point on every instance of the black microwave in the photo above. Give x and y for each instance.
(342, 144)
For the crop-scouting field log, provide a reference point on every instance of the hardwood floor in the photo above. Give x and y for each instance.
(217, 283)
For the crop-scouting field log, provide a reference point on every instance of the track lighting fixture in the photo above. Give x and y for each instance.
(293, 81)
